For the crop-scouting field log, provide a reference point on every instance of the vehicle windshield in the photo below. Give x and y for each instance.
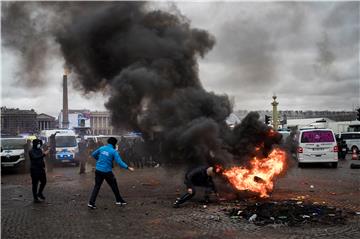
(65, 141)
(8, 144)
(350, 136)
(317, 136)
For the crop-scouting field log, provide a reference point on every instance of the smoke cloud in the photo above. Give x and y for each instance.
(147, 61)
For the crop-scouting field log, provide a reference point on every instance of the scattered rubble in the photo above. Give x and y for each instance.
(290, 213)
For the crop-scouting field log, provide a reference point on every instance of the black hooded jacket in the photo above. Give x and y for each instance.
(37, 157)
(199, 177)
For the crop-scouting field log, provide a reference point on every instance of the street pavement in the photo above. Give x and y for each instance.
(149, 214)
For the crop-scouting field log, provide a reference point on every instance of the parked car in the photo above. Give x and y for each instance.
(12, 152)
(317, 146)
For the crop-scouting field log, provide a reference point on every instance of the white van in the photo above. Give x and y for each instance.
(66, 144)
(352, 140)
(12, 152)
(317, 146)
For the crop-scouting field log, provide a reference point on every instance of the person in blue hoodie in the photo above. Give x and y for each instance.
(103, 170)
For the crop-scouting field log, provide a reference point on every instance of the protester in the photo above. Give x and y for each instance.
(342, 147)
(37, 170)
(198, 177)
(104, 157)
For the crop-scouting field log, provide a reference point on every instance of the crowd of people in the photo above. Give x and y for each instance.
(104, 156)
(134, 152)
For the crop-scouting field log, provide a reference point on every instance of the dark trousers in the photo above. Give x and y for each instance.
(38, 176)
(111, 180)
(187, 196)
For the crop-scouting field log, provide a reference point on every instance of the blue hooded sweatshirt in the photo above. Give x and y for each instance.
(104, 157)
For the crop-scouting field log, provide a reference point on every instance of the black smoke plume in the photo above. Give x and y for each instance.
(147, 61)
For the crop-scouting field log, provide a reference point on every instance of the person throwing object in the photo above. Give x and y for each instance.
(104, 157)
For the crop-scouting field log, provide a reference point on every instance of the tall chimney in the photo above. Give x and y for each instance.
(65, 122)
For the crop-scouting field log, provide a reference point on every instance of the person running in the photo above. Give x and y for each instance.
(103, 170)
(37, 170)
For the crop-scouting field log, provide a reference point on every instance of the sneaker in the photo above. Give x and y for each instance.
(41, 196)
(176, 204)
(91, 206)
(121, 203)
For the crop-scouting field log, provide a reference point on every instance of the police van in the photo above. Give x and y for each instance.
(66, 144)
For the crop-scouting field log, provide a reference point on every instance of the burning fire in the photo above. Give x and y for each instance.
(259, 177)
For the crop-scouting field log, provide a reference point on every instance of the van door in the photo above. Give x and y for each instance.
(318, 145)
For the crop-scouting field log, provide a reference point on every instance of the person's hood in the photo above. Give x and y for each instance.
(36, 142)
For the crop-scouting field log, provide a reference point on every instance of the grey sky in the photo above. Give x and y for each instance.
(306, 53)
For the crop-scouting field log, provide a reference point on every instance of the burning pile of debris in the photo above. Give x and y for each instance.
(290, 213)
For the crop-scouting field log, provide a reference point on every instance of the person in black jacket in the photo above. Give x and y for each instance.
(198, 177)
(37, 169)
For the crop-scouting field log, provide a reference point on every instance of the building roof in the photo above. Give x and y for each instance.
(100, 113)
(5, 110)
(71, 111)
(305, 122)
(45, 116)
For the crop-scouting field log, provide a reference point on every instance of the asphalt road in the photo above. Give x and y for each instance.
(150, 193)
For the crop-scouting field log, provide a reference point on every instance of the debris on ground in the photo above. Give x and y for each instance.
(291, 213)
(354, 166)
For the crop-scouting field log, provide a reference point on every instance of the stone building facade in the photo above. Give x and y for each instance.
(17, 121)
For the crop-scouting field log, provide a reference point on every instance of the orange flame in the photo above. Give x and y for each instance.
(272, 132)
(259, 177)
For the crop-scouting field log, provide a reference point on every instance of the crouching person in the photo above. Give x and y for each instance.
(198, 177)
(103, 171)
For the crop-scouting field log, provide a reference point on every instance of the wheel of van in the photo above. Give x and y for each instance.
(354, 148)
(300, 165)
(334, 165)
